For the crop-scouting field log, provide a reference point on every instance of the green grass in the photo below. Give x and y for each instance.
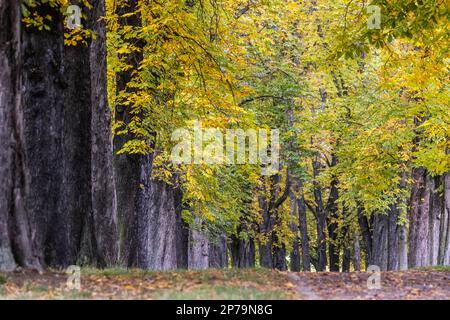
(216, 284)
(2, 279)
(436, 268)
(221, 293)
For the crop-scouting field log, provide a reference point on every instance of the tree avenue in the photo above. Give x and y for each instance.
(324, 140)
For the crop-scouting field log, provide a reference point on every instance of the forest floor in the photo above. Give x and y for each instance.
(234, 284)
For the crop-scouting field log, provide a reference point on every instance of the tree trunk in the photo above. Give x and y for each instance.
(104, 201)
(444, 243)
(393, 238)
(17, 243)
(43, 88)
(380, 242)
(51, 139)
(242, 253)
(182, 232)
(265, 248)
(436, 214)
(367, 237)
(320, 214)
(279, 257)
(419, 218)
(148, 221)
(198, 246)
(157, 226)
(303, 223)
(128, 168)
(332, 216)
(218, 254)
(356, 252)
(295, 252)
(75, 218)
(347, 257)
(89, 198)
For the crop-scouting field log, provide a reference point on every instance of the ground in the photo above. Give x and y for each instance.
(232, 284)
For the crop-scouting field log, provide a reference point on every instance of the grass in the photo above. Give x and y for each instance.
(436, 268)
(2, 279)
(116, 283)
(223, 293)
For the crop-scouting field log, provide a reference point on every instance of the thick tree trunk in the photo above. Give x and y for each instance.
(380, 244)
(419, 218)
(198, 246)
(265, 248)
(295, 252)
(356, 252)
(347, 257)
(43, 89)
(75, 212)
(332, 216)
(218, 253)
(367, 237)
(146, 207)
(157, 226)
(51, 143)
(279, 257)
(320, 214)
(242, 253)
(403, 248)
(130, 170)
(104, 201)
(393, 238)
(17, 243)
(436, 215)
(444, 243)
(303, 224)
(89, 199)
(182, 232)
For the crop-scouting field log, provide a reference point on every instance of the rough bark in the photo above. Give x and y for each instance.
(218, 253)
(346, 259)
(242, 253)
(198, 246)
(366, 235)
(303, 225)
(332, 216)
(89, 199)
(295, 252)
(146, 207)
(436, 214)
(50, 183)
(380, 244)
(75, 209)
(104, 201)
(182, 232)
(356, 252)
(157, 226)
(17, 244)
(265, 248)
(320, 215)
(128, 168)
(278, 249)
(43, 85)
(393, 238)
(419, 218)
(444, 243)
(279, 257)
(204, 250)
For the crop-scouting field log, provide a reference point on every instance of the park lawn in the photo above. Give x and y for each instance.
(232, 284)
